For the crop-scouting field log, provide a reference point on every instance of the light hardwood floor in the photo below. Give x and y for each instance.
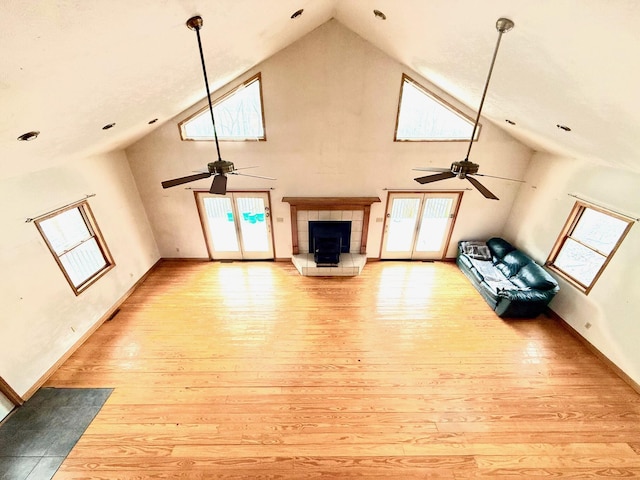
(249, 370)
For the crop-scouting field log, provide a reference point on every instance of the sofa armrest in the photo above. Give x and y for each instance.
(522, 303)
(526, 295)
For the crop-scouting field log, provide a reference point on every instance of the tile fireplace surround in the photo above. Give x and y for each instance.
(353, 209)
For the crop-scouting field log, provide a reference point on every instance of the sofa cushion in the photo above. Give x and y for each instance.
(513, 262)
(534, 276)
(499, 247)
(479, 252)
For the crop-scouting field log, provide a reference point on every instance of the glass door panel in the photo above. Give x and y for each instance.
(255, 226)
(222, 236)
(435, 224)
(236, 225)
(400, 228)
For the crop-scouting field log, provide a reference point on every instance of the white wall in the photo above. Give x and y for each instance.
(538, 216)
(42, 318)
(330, 103)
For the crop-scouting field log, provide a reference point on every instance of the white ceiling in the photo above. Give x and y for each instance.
(71, 66)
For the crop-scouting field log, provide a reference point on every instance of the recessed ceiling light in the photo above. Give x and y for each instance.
(297, 14)
(108, 126)
(153, 121)
(510, 122)
(27, 137)
(379, 15)
(563, 127)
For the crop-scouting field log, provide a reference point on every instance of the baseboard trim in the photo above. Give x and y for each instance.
(186, 259)
(593, 349)
(43, 379)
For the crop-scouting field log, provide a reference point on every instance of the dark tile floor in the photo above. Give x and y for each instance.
(36, 438)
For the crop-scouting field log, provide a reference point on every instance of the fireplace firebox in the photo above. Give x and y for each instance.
(327, 239)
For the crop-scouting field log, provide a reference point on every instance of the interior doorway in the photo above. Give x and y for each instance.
(418, 226)
(236, 226)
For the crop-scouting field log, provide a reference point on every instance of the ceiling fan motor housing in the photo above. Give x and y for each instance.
(220, 167)
(464, 168)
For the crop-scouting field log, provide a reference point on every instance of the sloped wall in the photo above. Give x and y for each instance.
(539, 214)
(42, 318)
(330, 104)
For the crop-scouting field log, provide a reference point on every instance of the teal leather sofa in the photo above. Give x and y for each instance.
(510, 281)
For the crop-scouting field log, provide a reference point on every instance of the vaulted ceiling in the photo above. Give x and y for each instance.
(70, 67)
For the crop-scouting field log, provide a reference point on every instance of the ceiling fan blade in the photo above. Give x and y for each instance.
(187, 179)
(254, 176)
(501, 178)
(219, 185)
(244, 168)
(481, 188)
(432, 169)
(435, 178)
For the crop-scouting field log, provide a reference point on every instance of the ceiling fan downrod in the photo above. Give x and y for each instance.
(503, 25)
(196, 23)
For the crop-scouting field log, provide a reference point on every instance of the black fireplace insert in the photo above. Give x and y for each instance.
(328, 239)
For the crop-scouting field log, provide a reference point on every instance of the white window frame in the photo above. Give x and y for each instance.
(572, 222)
(94, 233)
(406, 79)
(217, 101)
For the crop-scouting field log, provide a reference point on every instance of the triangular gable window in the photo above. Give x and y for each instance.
(238, 116)
(423, 116)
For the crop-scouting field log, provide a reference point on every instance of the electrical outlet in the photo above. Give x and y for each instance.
(279, 220)
(379, 219)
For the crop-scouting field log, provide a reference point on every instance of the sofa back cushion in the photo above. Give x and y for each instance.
(499, 247)
(534, 276)
(513, 262)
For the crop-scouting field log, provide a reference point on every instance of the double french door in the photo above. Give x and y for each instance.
(237, 226)
(418, 225)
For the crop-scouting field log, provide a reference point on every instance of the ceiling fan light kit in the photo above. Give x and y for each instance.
(464, 169)
(27, 137)
(220, 168)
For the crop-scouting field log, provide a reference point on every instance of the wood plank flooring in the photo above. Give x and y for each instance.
(249, 370)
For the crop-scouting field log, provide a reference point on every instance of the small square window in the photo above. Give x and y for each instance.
(74, 239)
(588, 241)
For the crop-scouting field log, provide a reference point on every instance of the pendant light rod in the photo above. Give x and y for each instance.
(195, 23)
(503, 25)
